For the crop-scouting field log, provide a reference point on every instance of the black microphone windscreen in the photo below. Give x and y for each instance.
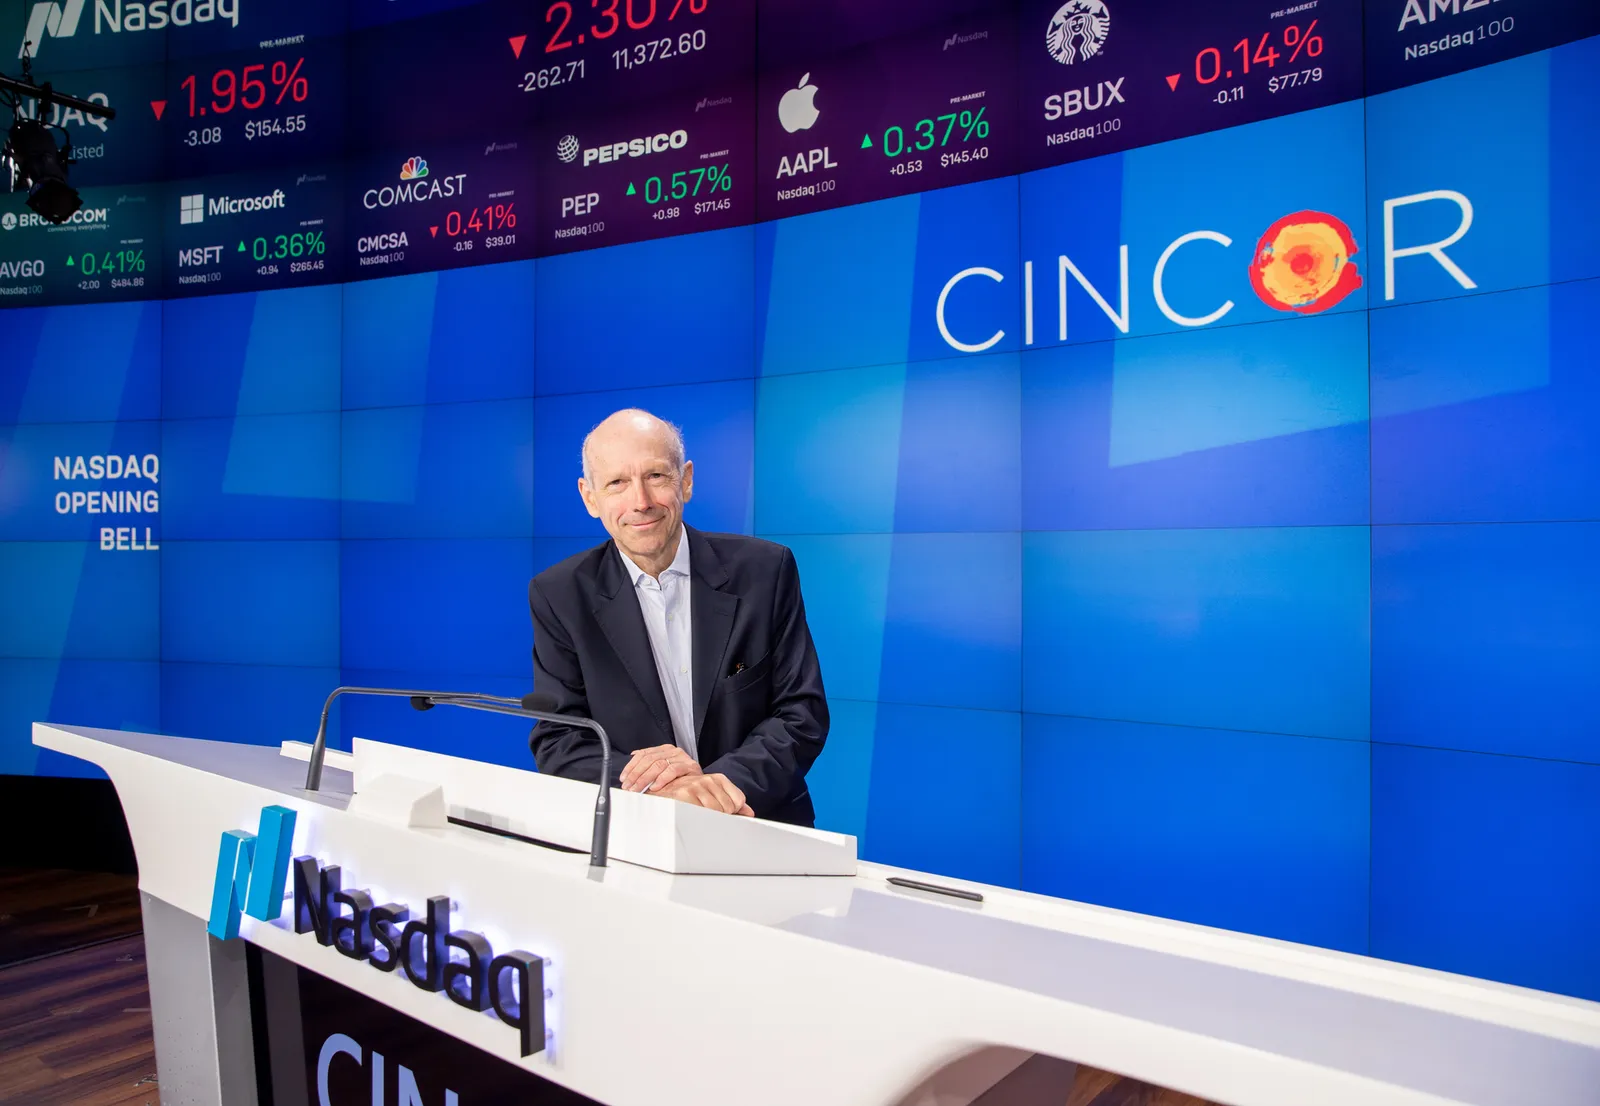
(540, 701)
(421, 702)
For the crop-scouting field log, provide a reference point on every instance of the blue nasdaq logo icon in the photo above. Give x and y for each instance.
(252, 872)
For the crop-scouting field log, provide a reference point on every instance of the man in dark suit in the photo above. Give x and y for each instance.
(691, 649)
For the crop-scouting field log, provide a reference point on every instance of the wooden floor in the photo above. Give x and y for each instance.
(44, 911)
(75, 1029)
(74, 1002)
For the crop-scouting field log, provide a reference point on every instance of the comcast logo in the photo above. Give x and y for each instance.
(567, 149)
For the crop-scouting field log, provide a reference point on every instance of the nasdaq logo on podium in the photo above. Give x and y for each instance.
(252, 870)
(252, 877)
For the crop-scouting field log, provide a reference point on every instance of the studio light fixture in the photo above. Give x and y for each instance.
(37, 164)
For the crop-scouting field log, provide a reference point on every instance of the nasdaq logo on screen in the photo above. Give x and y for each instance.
(48, 18)
(61, 20)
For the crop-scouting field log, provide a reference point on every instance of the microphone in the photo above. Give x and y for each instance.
(539, 711)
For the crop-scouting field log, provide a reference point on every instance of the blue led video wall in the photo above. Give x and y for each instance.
(1202, 522)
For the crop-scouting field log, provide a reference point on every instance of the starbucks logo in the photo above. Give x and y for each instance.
(1077, 31)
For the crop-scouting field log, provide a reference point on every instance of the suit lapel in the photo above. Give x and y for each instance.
(712, 611)
(617, 611)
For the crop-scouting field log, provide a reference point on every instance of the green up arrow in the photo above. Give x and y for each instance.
(866, 142)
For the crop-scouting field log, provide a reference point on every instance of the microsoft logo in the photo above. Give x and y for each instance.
(252, 871)
(192, 209)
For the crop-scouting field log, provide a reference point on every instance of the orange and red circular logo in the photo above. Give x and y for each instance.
(1302, 263)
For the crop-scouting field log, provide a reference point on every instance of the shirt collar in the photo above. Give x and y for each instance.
(678, 567)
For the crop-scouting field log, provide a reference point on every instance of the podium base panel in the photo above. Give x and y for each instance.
(200, 1007)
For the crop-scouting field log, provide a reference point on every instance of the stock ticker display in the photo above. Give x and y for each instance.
(345, 140)
(1181, 413)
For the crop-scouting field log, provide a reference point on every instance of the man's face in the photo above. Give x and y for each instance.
(636, 494)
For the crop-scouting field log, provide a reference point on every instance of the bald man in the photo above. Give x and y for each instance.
(691, 649)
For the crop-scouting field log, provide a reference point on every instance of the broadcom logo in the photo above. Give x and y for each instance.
(84, 216)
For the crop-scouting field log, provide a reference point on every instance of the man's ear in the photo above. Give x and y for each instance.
(688, 481)
(587, 496)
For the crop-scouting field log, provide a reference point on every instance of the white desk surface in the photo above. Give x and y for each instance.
(1451, 1038)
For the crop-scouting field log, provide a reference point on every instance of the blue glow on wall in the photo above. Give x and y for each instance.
(1178, 602)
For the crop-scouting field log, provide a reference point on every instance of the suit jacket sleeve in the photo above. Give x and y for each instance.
(569, 751)
(769, 766)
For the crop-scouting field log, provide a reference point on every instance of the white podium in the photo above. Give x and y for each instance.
(721, 959)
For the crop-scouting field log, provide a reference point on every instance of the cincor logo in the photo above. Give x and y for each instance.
(1302, 263)
(1078, 30)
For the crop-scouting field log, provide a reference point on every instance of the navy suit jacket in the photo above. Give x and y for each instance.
(759, 713)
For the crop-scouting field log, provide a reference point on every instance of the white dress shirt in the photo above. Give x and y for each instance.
(666, 608)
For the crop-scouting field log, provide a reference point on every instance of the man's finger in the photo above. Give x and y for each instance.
(710, 795)
(705, 795)
(673, 771)
(735, 796)
(648, 774)
(746, 812)
(631, 769)
(636, 764)
(634, 775)
(732, 797)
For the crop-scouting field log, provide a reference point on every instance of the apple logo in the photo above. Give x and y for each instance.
(796, 111)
